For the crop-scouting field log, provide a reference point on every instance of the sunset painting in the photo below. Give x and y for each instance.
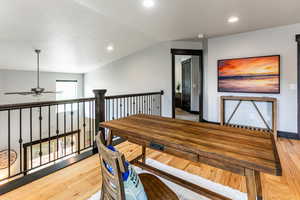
(255, 75)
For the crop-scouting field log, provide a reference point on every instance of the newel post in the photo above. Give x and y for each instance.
(99, 111)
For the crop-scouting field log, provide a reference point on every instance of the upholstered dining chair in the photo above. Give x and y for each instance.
(112, 183)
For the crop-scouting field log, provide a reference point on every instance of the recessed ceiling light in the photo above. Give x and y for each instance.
(233, 19)
(200, 36)
(148, 3)
(110, 48)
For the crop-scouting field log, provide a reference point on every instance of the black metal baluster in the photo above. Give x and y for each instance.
(65, 131)
(30, 113)
(142, 104)
(90, 123)
(20, 139)
(8, 128)
(57, 131)
(49, 132)
(106, 105)
(136, 105)
(150, 104)
(127, 106)
(151, 99)
(133, 106)
(78, 127)
(153, 104)
(84, 124)
(40, 126)
(120, 108)
(117, 108)
(93, 122)
(72, 135)
(113, 109)
(145, 104)
(108, 111)
(130, 105)
(139, 98)
(160, 104)
(124, 107)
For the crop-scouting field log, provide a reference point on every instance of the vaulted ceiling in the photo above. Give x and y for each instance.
(74, 34)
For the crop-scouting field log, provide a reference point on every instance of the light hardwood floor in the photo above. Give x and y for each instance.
(81, 180)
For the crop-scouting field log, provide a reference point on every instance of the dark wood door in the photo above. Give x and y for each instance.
(186, 85)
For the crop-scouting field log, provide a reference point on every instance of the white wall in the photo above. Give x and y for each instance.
(145, 71)
(280, 40)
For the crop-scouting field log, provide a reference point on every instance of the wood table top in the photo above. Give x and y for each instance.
(245, 148)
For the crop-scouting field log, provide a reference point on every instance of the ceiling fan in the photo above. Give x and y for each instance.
(35, 91)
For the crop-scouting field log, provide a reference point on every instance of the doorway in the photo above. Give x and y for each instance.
(187, 84)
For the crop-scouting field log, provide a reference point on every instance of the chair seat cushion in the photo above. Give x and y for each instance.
(156, 189)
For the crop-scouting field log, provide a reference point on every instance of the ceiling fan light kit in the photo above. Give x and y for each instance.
(35, 91)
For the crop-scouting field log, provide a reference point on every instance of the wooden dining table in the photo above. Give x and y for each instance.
(241, 151)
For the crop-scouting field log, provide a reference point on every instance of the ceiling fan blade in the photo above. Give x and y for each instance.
(20, 93)
(52, 92)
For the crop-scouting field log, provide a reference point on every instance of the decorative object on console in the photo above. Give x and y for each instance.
(250, 75)
(273, 101)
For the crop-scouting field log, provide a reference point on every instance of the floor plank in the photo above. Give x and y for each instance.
(83, 179)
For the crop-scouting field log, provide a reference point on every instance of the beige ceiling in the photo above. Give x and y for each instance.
(73, 34)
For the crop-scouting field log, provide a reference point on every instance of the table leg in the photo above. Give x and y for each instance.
(144, 154)
(258, 185)
(253, 184)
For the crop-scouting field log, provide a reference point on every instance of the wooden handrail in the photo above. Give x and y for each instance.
(68, 101)
(135, 95)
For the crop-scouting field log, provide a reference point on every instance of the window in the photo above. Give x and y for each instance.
(67, 90)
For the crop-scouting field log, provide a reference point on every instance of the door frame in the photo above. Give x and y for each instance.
(298, 84)
(192, 52)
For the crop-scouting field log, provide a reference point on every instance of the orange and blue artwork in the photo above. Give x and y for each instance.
(249, 75)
